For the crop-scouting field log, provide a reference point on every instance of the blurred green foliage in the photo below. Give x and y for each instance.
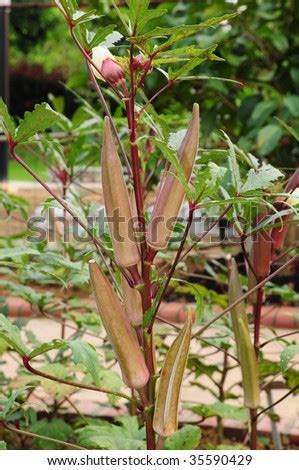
(260, 49)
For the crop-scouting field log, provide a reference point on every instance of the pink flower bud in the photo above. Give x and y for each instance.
(110, 70)
(139, 63)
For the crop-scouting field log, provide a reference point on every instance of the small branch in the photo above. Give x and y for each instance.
(290, 392)
(279, 337)
(204, 234)
(27, 365)
(38, 436)
(155, 96)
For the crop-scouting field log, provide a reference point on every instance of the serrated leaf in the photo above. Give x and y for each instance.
(223, 410)
(86, 355)
(56, 428)
(287, 355)
(40, 119)
(12, 335)
(46, 347)
(140, 14)
(111, 381)
(8, 404)
(80, 17)
(177, 33)
(6, 121)
(189, 66)
(187, 438)
(127, 436)
(13, 253)
(262, 178)
(94, 39)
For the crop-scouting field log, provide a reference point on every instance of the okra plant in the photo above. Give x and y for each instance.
(127, 273)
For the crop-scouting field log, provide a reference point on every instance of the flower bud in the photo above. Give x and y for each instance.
(171, 193)
(139, 63)
(110, 70)
(122, 336)
(117, 204)
(165, 421)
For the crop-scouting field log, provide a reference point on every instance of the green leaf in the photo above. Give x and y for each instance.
(86, 355)
(235, 169)
(177, 169)
(68, 6)
(287, 355)
(56, 428)
(292, 103)
(13, 253)
(191, 65)
(290, 129)
(40, 119)
(6, 121)
(224, 410)
(39, 299)
(12, 335)
(127, 436)
(94, 39)
(9, 404)
(262, 178)
(177, 33)
(268, 138)
(186, 438)
(111, 381)
(45, 347)
(140, 14)
(261, 112)
(3, 445)
(80, 17)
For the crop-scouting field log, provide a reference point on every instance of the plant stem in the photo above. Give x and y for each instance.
(38, 436)
(27, 365)
(253, 434)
